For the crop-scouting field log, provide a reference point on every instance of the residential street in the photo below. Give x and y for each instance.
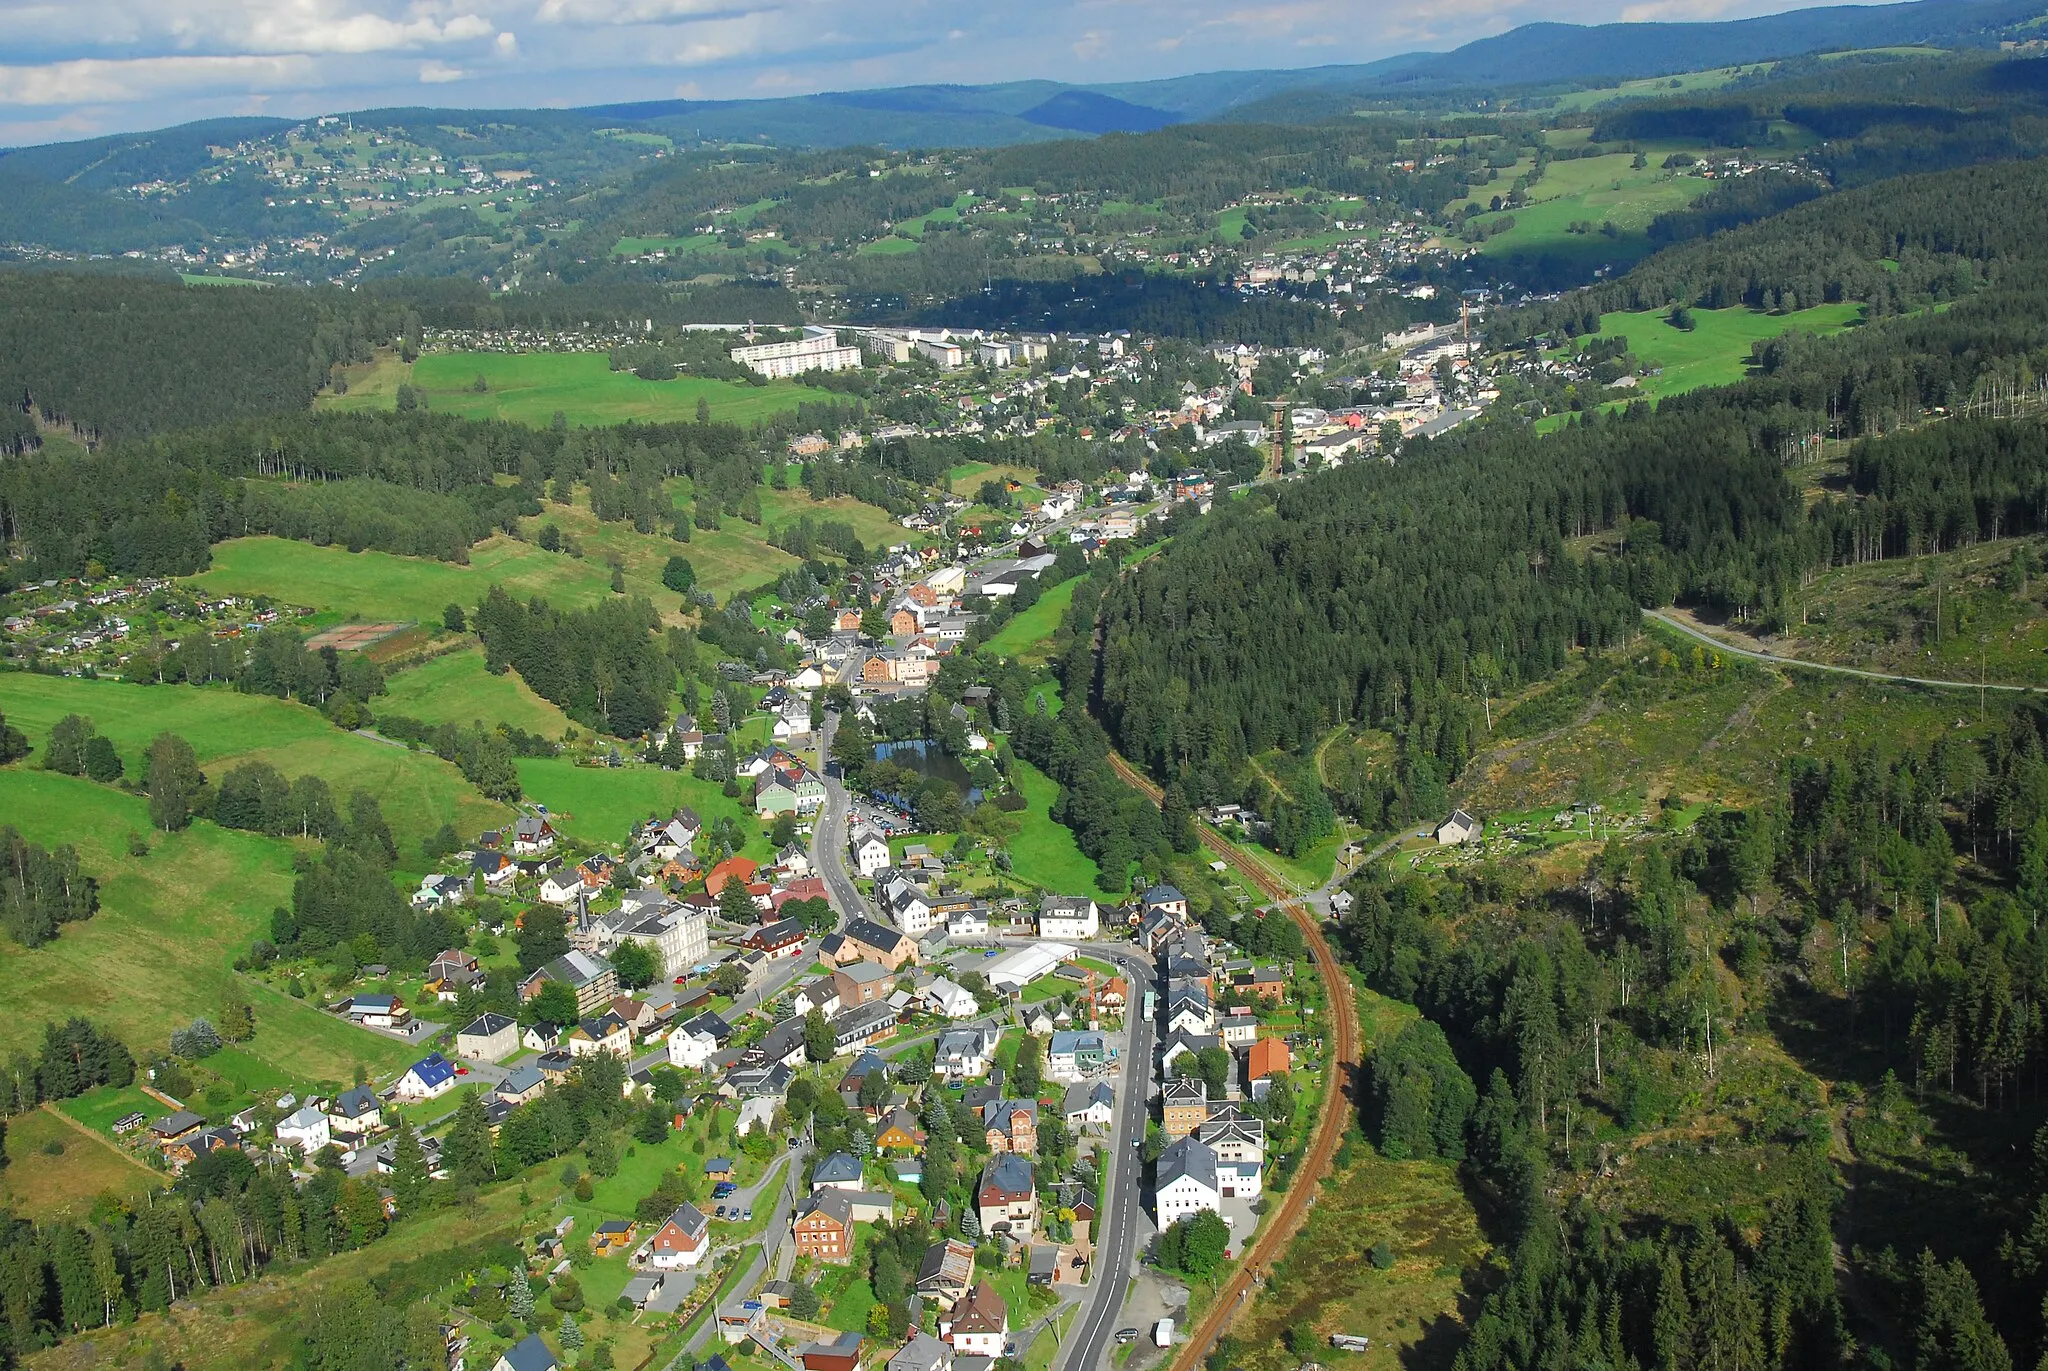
(828, 834)
(1116, 1238)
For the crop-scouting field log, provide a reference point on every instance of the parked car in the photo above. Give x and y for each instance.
(1126, 1336)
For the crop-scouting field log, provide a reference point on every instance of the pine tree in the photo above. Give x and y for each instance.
(409, 1179)
(572, 1336)
(519, 1294)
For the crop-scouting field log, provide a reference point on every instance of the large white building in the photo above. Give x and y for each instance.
(1187, 1181)
(817, 350)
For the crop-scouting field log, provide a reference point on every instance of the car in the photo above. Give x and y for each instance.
(1126, 1336)
(462, 1071)
(721, 1212)
(992, 952)
(795, 1143)
(747, 1214)
(1229, 1222)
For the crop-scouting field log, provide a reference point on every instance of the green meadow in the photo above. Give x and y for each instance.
(1027, 636)
(1044, 852)
(381, 585)
(1593, 190)
(1714, 352)
(596, 804)
(456, 689)
(531, 387)
(417, 790)
(158, 952)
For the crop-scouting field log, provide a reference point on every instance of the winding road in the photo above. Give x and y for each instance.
(1702, 636)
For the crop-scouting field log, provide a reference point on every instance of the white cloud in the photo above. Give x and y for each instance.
(96, 81)
(440, 73)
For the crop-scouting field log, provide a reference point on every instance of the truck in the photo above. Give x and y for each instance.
(1162, 1333)
(1349, 1342)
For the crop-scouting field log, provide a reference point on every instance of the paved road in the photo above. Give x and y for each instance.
(1116, 1242)
(1711, 641)
(828, 836)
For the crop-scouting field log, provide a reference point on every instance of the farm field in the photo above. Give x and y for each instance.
(158, 952)
(529, 388)
(41, 1184)
(370, 585)
(1714, 352)
(456, 689)
(418, 791)
(1590, 189)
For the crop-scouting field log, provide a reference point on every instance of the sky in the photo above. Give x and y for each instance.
(77, 68)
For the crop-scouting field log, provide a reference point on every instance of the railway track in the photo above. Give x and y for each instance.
(1280, 1227)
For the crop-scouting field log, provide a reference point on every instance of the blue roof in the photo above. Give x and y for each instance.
(840, 1166)
(433, 1069)
(1161, 893)
(530, 1354)
(356, 1102)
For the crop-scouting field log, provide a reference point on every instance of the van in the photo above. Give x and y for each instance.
(1162, 1333)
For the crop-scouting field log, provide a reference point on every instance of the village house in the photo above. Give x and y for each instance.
(1068, 916)
(428, 1078)
(1459, 827)
(864, 938)
(681, 1241)
(1012, 1126)
(900, 1133)
(1183, 1106)
(1005, 1197)
(1089, 1105)
(979, 1324)
(605, 1032)
(306, 1128)
(488, 1038)
(590, 976)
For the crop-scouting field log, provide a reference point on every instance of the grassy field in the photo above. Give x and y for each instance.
(1028, 636)
(1714, 352)
(157, 953)
(1592, 190)
(530, 387)
(374, 585)
(599, 804)
(456, 689)
(966, 479)
(39, 1183)
(419, 792)
(1044, 852)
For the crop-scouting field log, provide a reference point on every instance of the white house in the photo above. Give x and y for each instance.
(1186, 1181)
(979, 1324)
(1090, 1104)
(1460, 827)
(690, 1051)
(429, 1077)
(870, 851)
(967, 923)
(952, 1001)
(964, 1053)
(562, 886)
(1068, 916)
(488, 1038)
(308, 1128)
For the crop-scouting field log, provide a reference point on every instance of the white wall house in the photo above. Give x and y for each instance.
(1187, 1181)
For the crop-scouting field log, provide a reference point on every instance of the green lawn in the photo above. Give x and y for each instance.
(418, 791)
(530, 387)
(1028, 635)
(99, 1109)
(157, 953)
(1044, 852)
(456, 689)
(695, 243)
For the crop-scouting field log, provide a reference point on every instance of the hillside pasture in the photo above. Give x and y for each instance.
(418, 791)
(1594, 190)
(366, 585)
(456, 689)
(56, 1168)
(158, 952)
(531, 387)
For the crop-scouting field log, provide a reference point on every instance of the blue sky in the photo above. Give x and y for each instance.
(75, 68)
